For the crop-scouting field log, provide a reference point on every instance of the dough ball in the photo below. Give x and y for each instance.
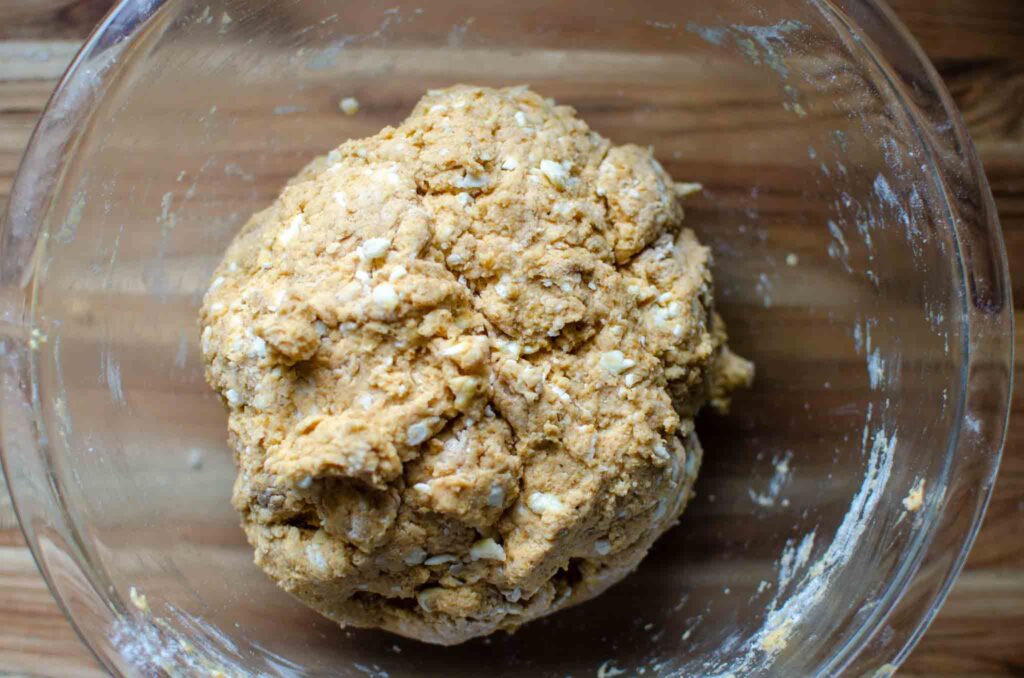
(462, 359)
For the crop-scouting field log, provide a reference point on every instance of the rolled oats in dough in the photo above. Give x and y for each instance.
(462, 359)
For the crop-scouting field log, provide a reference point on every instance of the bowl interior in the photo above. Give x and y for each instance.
(836, 269)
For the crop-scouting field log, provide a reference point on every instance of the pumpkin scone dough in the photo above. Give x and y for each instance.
(462, 359)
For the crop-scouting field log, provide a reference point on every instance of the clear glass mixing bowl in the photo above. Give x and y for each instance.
(858, 262)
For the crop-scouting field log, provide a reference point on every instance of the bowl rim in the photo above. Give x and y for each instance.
(990, 322)
(885, 38)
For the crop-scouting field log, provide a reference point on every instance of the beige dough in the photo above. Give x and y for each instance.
(462, 359)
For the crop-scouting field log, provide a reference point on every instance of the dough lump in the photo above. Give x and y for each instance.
(462, 359)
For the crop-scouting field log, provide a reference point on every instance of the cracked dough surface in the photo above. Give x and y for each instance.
(462, 359)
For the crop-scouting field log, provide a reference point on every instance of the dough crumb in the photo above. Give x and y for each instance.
(461, 360)
(915, 498)
(349, 105)
(609, 670)
(36, 339)
(684, 189)
(777, 639)
(138, 600)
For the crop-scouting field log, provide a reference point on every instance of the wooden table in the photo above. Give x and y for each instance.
(977, 45)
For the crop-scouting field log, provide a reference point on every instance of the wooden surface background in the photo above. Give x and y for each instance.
(978, 47)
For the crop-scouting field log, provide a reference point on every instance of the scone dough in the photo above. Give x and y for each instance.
(462, 359)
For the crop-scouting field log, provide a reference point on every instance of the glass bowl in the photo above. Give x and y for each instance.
(859, 263)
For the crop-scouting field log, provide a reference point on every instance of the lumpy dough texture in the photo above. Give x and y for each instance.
(462, 359)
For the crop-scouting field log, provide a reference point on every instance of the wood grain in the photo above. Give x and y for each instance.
(961, 30)
(978, 46)
(50, 19)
